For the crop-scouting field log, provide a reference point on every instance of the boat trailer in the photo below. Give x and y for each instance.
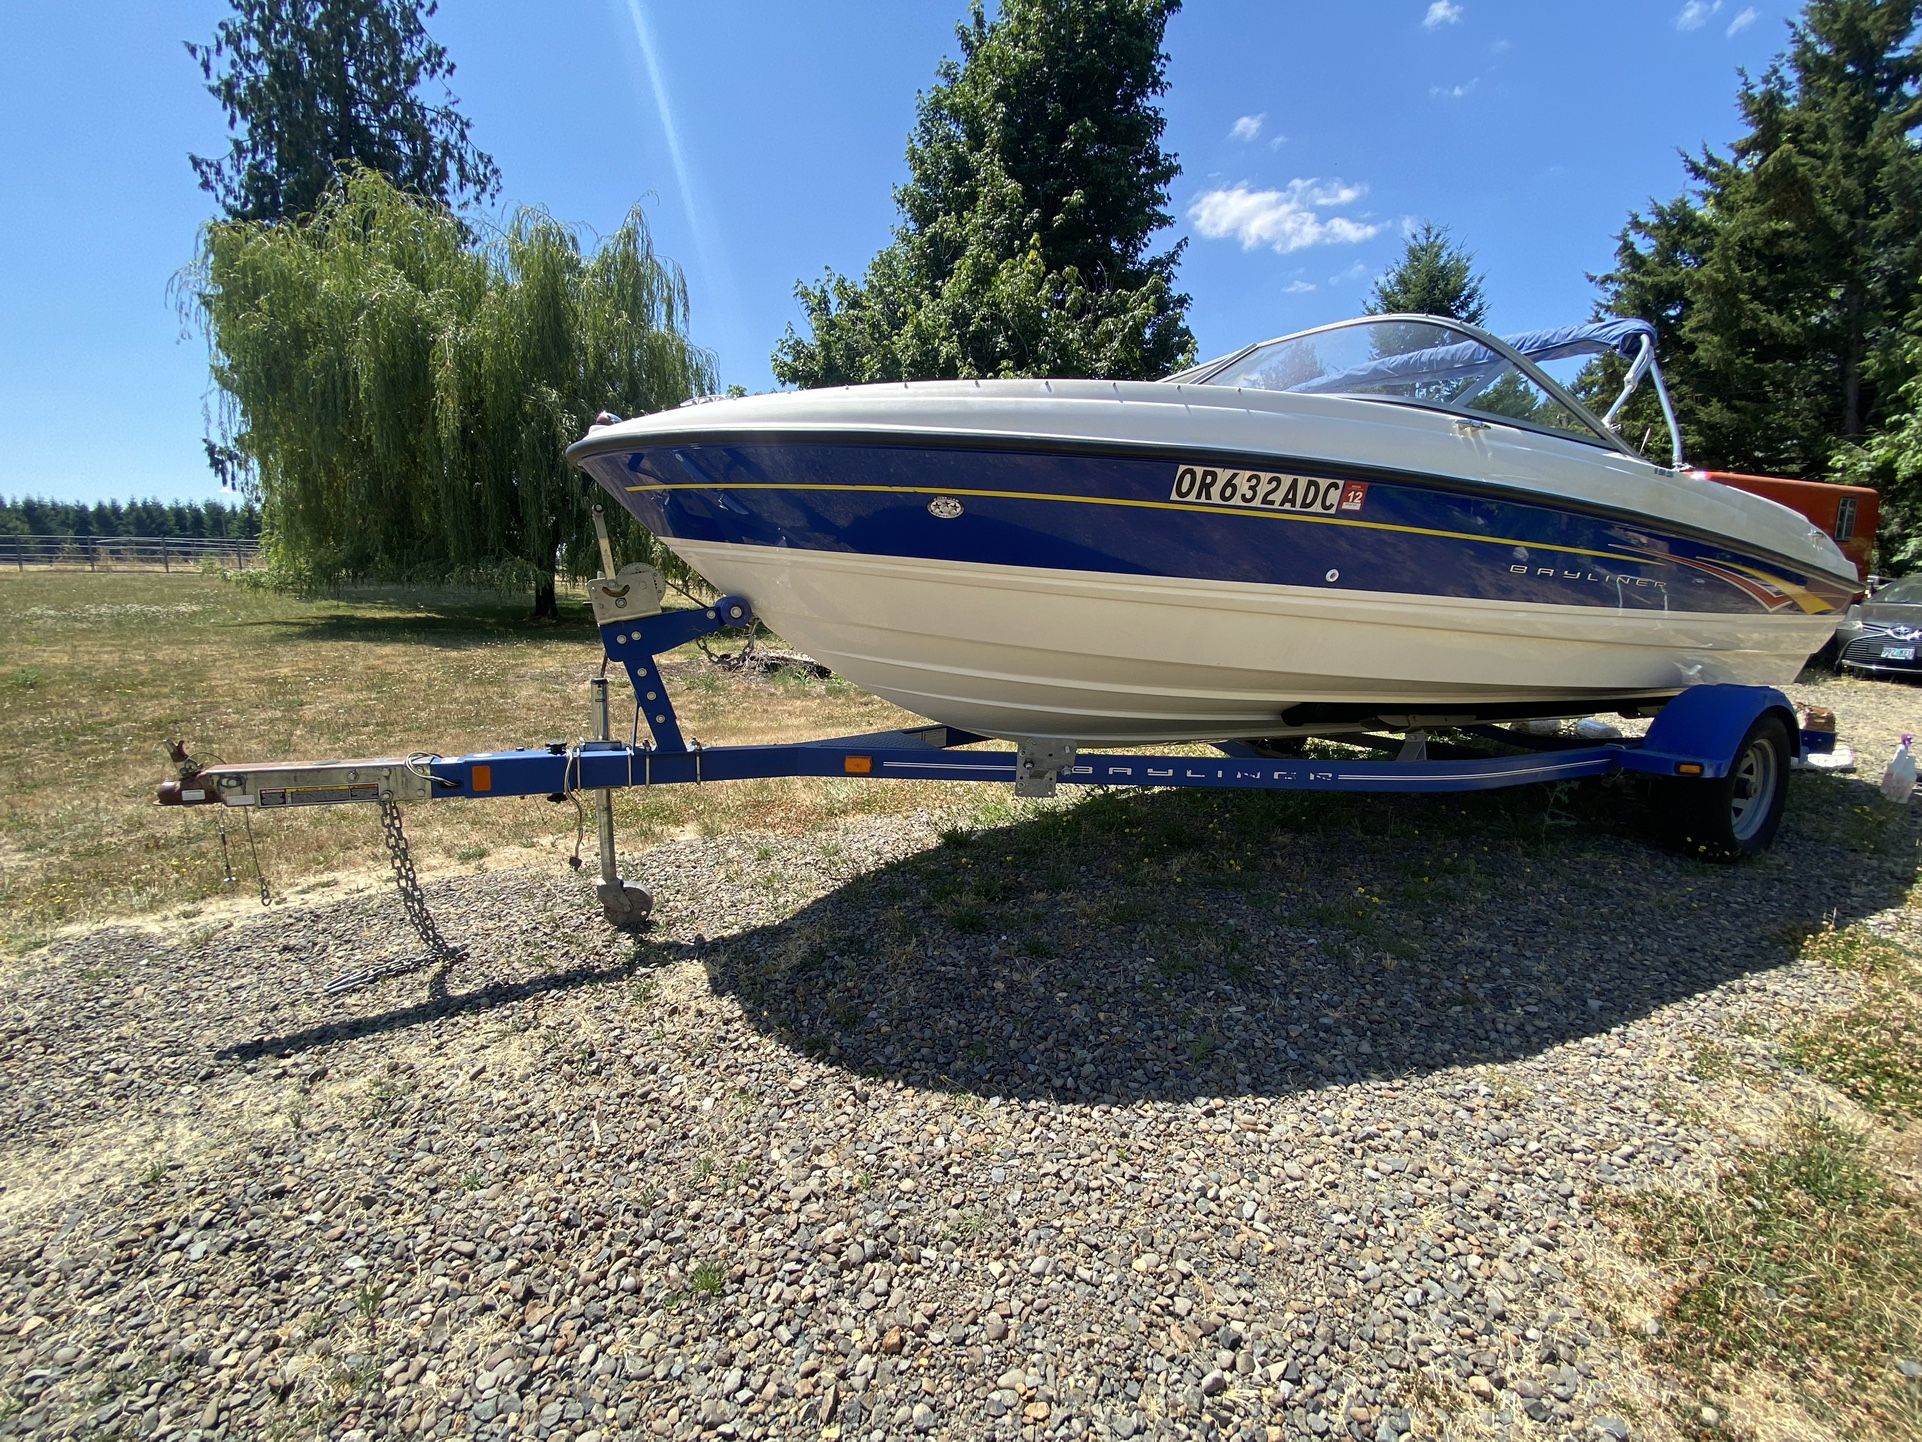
(1705, 740)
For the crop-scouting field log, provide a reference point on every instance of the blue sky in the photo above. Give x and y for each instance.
(764, 140)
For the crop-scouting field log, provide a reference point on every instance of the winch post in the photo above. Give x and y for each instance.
(607, 546)
(635, 630)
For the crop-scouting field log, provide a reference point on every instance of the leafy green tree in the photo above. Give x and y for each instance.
(402, 399)
(1891, 461)
(1433, 277)
(1036, 184)
(1781, 277)
(311, 85)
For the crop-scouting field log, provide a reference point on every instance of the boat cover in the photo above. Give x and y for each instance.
(1470, 360)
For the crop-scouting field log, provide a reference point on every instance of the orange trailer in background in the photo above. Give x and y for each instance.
(1848, 513)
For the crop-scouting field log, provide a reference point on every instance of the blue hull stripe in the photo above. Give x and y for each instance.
(1119, 514)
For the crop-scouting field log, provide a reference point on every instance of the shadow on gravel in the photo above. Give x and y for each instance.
(1171, 945)
(439, 1005)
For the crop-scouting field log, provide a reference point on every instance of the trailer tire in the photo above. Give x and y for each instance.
(1734, 816)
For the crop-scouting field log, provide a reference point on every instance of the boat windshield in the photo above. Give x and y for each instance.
(1435, 362)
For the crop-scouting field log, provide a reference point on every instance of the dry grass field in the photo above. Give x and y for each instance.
(96, 670)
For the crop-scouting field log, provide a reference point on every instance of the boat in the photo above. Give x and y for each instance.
(1393, 522)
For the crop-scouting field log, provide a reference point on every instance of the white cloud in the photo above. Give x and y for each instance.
(1441, 12)
(1298, 287)
(1455, 92)
(1357, 271)
(1741, 22)
(1501, 47)
(1695, 14)
(1284, 220)
(1248, 127)
(1277, 141)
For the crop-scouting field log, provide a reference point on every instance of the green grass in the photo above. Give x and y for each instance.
(1872, 1050)
(1711, 1061)
(1803, 1263)
(1799, 1273)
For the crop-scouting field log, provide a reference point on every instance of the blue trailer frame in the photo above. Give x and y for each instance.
(1699, 737)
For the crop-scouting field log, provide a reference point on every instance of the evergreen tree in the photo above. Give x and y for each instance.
(1781, 277)
(1433, 277)
(311, 85)
(1891, 461)
(1036, 183)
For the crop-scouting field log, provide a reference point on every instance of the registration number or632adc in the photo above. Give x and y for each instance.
(1267, 490)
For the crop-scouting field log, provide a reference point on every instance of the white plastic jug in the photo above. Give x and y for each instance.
(1898, 781)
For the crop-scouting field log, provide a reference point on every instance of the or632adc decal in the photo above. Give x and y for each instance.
(1268, 491)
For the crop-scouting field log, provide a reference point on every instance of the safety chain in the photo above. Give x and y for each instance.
(413, 901)
(227, 877)
(253, 848)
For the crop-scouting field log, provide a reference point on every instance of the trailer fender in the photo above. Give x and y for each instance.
(1696, 734)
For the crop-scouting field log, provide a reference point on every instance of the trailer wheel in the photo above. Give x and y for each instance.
(1736, 815)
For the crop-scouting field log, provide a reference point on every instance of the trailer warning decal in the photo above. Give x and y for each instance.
(1268, 491)
(319, 795)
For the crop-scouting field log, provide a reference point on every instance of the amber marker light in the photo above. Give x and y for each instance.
(483, 778)
(1688, 768)
(858, 765)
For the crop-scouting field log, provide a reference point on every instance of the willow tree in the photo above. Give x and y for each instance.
(401, 398)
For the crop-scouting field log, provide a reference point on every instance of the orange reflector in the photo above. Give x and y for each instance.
(483, 778)
(858, 765)
(1688, 768)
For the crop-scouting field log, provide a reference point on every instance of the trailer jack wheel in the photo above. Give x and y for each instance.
(625, 905)
(1733, 816)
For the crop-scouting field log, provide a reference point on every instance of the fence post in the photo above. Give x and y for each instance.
(164, 563)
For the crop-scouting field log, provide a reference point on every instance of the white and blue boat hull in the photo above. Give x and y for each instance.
(1155, 562)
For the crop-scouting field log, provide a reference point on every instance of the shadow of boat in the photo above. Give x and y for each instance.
(1177, 945)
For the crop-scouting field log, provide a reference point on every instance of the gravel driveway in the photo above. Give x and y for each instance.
(1155, 1115)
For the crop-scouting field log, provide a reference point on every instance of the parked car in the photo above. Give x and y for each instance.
(1883, 634)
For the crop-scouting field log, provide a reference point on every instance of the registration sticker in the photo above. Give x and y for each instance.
(1268, 490)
